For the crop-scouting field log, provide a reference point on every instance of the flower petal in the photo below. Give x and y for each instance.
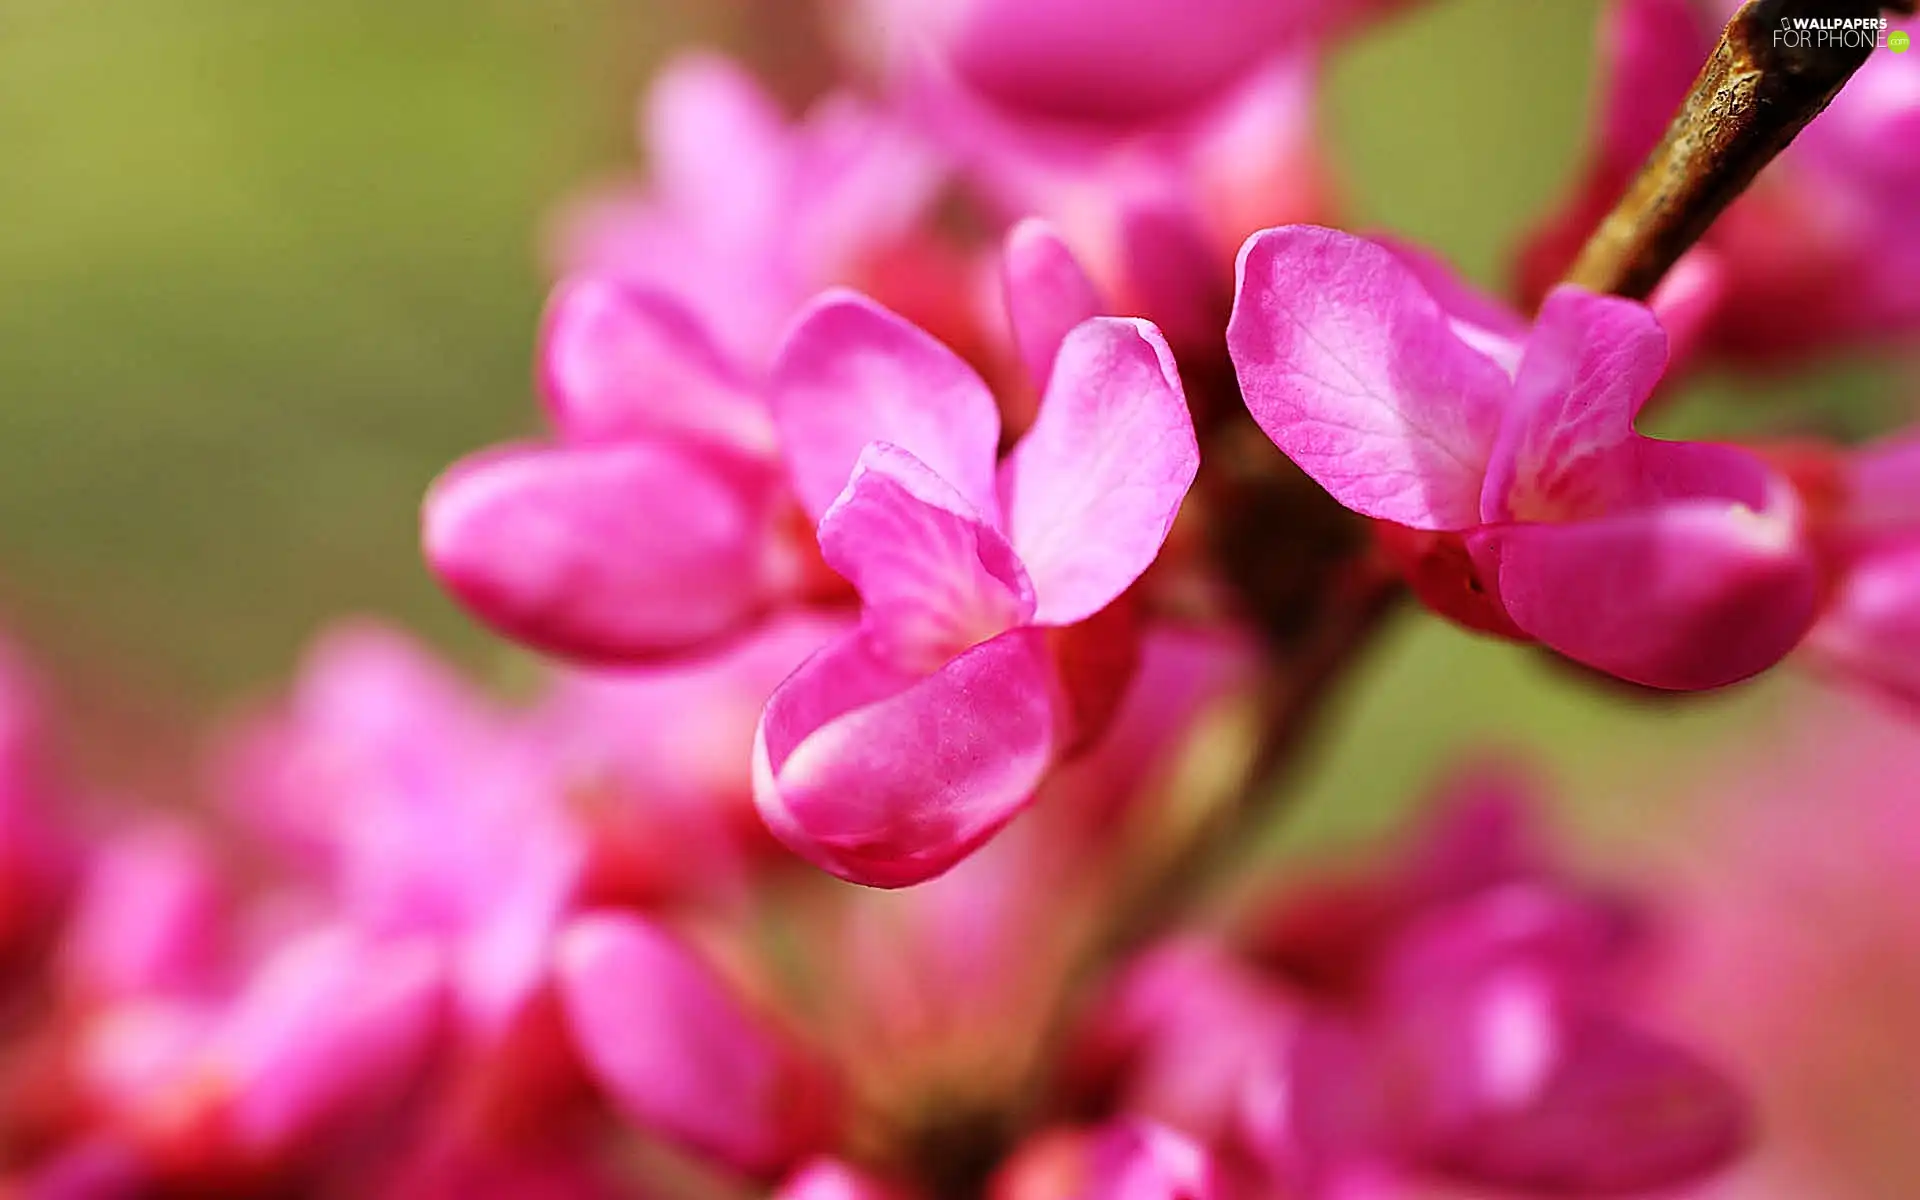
(1620, 1113)
(1047, 293)
(934, 577)
(620, 362)
(680, 1054)
(602, 552)
(1686, 596)
(1092, 489)
(888, 781)
(850, 373)
(1567, 449)
(1357, 374)
(1870, 632)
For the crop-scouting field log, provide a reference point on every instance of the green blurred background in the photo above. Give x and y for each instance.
(265, 267)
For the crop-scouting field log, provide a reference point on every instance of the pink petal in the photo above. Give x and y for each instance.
(1870, 631)
(1652, 49)
(934, 577)
(1883, 486)
(612, 551)
(1047, 293)
(329, 1027)
(619, 362)
(1687, 595)
(680, 1054)
(1126, 60)
(1141, 1160)
(1355, 372)
(718, 145)
(1620, 1113)
(148, 918)
(889, 780)
(1567, 449)
(830, 1179)
(851, 373)
(1092, 490)
(1688, 299)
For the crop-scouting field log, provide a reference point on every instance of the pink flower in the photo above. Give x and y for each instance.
(747, 216)
(656, 764)
(1822, 252)
(827, 1179)
(1471, 1028)
(1128, 1159)
(1112, 63)
(1155, 212)
(324, 1033)
(423, 815)
(1675, 565)
(1870, 629)
(681, 1055)
(36, 854)
(901, 747)
(652, 523)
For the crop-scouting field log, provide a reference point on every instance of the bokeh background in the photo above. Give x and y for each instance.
(266, 266)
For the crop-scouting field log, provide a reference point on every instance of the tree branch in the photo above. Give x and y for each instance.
(1754, 96)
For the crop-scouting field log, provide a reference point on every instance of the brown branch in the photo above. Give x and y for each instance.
(1754, 96)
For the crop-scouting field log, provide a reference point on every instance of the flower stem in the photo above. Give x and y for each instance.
(1753, 97)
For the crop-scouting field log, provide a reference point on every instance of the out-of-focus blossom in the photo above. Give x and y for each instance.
(322, 1031)
(678, 1052)
(1796, 947)
(35, 852)
(1520, 496)
(656, 763)
(1459, 1019)
(1113, 64)
(1127, 1160)
(745, 216)
(1823, 252)
(1157, 212)
(1870, 629)
(426, 816)
(827, 1179)
(902, 746)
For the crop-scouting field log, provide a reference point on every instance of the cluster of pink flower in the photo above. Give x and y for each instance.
(861, 576)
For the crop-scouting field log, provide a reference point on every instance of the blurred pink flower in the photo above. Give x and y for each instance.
(423, 815)
(1795, 931)
(1672, 564)
(1824, 251)
(746, 216)
(901, 747)
(682, 1056)
(1869, 631)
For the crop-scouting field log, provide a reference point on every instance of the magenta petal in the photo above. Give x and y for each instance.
(934, 577)
(620, 362)
(1047, 293)
(329, 1026)
(851, 373)
(1652, 50)
(1141, 1160)
(830, 1179)
(1870, 631)
(1883, 486)
(887, 780)
(1567, 448)
(1092, 489)
(1358, 375)
(1620, 1113)
(680, 1054)
(719, 146)
(611, 551)
(1686, 596)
